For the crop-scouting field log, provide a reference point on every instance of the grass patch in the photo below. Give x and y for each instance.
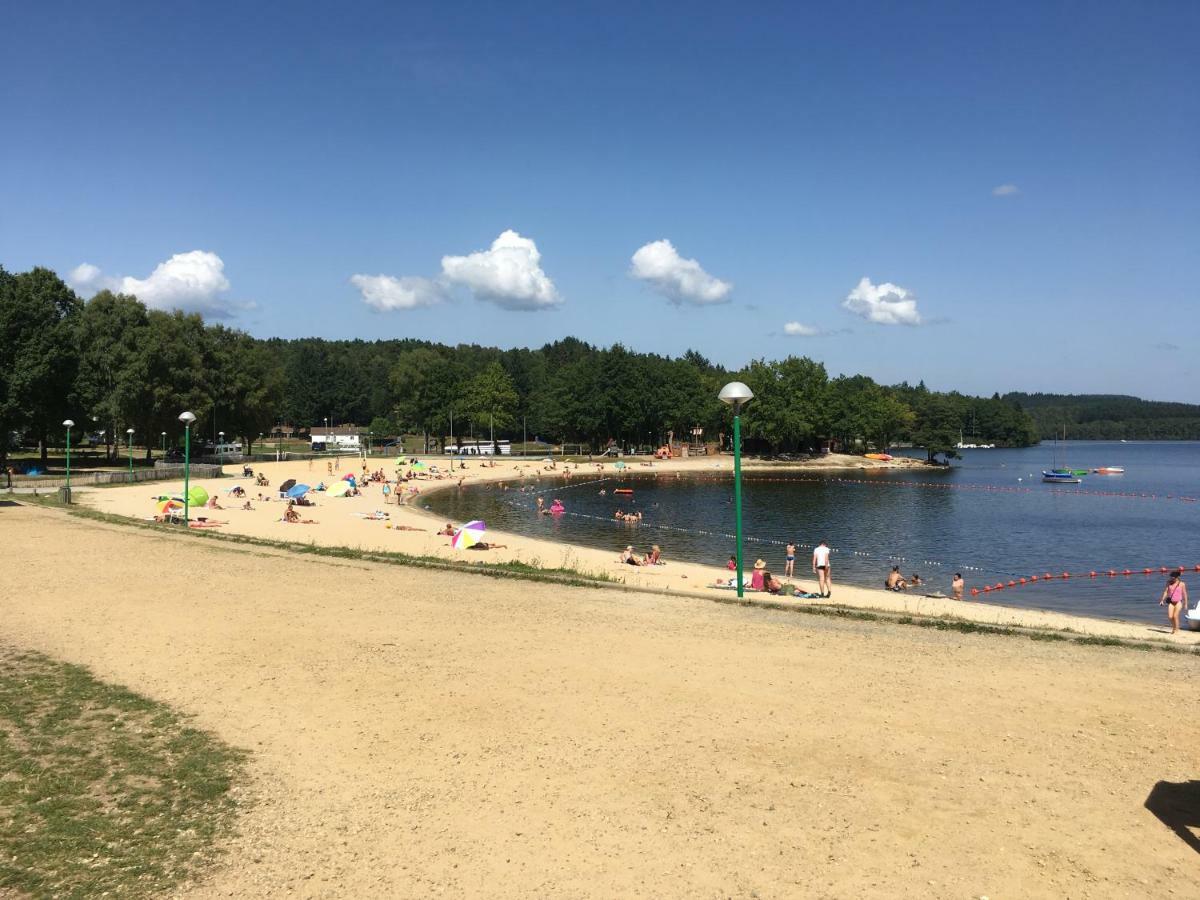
(101, 790)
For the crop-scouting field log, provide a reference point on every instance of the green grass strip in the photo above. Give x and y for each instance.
(102, 792)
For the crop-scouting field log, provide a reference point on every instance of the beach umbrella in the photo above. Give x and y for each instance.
(338, 489)
(419, 465)
(169, 505)
(469, 535)
(287, 485)
(349, 476)
(299, 490)
(197, 496)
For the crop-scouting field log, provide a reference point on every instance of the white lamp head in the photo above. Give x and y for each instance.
(129, 431)
(187, 418)
(68, 423)
(736, 395)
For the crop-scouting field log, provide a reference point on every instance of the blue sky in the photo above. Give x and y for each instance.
(278, 150)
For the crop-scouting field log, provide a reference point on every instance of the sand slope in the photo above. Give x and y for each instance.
(419, 733)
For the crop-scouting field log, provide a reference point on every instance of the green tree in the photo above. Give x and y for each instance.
(937, 425)
(39, 359)
(491, 399)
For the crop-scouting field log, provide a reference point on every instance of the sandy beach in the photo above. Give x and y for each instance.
(417, 733)
(413, 531)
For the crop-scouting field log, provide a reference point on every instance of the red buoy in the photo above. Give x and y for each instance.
(1091, 574)
(1022, 580)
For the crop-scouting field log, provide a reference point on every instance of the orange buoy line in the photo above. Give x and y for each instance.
(1110, 573)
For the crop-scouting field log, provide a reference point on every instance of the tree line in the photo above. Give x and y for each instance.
(1110, 417)
(110, 363)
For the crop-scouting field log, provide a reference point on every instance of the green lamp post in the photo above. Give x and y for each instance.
(69, 425)
(163, 444)
(187, 418)
(129, 434)
(737, 395)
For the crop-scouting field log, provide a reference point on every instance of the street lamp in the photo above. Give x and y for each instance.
(221, 446)
(69, 424)
(129, 432)
(187, 418)
(163, 444)
(737, 395)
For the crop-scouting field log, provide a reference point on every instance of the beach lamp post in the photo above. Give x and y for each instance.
(221, 446)
(129, 444)
(737, 395)
(68, 424)
(187, 418)
(163, 444)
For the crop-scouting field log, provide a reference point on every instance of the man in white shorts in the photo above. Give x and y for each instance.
(820, 567)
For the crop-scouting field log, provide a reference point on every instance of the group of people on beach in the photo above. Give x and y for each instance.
(653, 558)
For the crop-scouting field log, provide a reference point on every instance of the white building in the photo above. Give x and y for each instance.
(338, 437)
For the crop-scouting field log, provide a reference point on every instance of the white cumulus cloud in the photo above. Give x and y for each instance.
(799, 329)
(1005, 190)
(385, 293)
(508, 274)
(884, 304)
(193, 282)
(679, 280)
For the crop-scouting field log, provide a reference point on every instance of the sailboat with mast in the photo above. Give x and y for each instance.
(1062, 476)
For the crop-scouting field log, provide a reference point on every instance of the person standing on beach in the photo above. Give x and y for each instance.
(789, 562)
(1175, 597)
(820, 567)
(957, 585)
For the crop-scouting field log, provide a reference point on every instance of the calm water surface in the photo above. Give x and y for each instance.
(988, 516)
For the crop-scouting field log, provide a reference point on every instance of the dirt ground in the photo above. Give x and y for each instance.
(418, 733)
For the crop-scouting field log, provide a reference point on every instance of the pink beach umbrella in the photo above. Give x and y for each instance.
(469, 535)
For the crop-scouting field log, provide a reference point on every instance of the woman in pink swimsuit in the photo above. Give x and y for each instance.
(1175, 597)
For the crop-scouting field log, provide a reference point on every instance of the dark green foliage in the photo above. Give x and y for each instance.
(1109, 417)
(112, 364)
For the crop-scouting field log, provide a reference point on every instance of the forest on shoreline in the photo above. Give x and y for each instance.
(111, 363)
(1109, 417)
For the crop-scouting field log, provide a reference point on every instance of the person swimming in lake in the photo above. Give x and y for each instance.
(895, 581)
(1175, 597)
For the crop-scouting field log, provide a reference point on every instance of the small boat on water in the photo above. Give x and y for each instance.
(882, 457)
(1058, 476)
(1109, 470)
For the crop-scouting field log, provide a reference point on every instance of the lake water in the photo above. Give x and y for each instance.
(988, 516)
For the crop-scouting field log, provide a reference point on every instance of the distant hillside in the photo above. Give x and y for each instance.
(1112, 417)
